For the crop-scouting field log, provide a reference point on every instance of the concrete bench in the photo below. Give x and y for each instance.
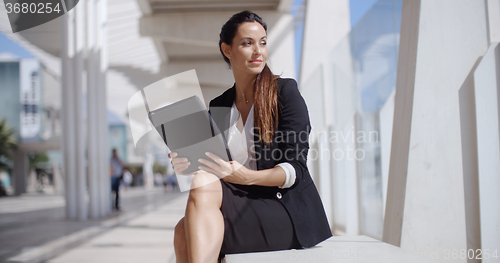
(339, 249)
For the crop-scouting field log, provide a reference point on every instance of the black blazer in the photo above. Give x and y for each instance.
(290, 144)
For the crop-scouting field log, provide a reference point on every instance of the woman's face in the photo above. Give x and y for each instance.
(248, 53)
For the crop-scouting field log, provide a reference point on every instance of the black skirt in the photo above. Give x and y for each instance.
(253, 223)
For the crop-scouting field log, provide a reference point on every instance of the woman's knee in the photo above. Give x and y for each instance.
(205, 181)
(206, 190)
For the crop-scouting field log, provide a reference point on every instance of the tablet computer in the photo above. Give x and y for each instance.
(187, 128)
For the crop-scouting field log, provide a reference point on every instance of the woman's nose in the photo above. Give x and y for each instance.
(256, 50)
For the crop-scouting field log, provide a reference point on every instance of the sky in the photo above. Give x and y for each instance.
(358, 8)
(10, 50)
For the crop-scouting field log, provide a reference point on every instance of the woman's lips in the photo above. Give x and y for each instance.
(256, 62)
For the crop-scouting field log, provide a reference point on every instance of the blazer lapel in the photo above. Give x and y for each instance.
(229, 99)
(221, 111)
(221, 114)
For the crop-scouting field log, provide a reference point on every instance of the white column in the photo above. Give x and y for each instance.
(427, 153)
(104, 153)
(352, 227)
(403, 104)
(316, 71)
(486, 89)
(469, 163)
(494, 20)
(386, 116)
(282, 48)
(325, 174)
(322, 16)
(68, 128)
(58, 182)
(92, 112)
(81, 178)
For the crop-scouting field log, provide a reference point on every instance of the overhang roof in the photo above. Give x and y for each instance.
(125, 46)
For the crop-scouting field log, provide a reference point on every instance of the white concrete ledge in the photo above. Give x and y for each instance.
(341, 249)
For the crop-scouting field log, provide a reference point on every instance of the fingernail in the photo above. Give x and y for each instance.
(200, 160)
(207, 153)
(188, 163)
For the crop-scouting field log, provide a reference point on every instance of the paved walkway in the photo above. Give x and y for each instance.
(144, 233)
(33, 229)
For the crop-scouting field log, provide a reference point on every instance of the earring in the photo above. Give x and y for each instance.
(228, 57)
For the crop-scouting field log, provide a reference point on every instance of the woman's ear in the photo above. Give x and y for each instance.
(226, 49)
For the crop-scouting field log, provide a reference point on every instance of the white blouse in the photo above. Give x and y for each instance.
(240, 140)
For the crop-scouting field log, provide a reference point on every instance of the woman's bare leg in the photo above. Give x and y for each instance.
(203, 223)
(180, 243)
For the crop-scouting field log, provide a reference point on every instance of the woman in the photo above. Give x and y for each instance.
(265, 198)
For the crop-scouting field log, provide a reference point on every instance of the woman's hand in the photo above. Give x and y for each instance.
(179, 163)
(231, 172)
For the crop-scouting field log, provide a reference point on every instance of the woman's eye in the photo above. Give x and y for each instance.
(246, 43)
(263, 43)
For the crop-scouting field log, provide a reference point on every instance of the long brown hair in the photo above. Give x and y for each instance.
(266, 87)
(266, 104)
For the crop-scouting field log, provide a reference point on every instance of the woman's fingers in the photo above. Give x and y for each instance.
(177, 161)
(181, 168)
(216, 158)
(210, 164)
(219, 167)
(225, 167)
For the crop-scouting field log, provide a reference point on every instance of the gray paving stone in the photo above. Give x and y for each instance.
(34, 229)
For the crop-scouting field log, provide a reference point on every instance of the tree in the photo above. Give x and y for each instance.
(158, 168)
(8, 145)
(37, 158)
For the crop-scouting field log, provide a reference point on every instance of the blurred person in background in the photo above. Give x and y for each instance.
(158, 179)
(116, 177)
(172, 181)
(3, 191)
